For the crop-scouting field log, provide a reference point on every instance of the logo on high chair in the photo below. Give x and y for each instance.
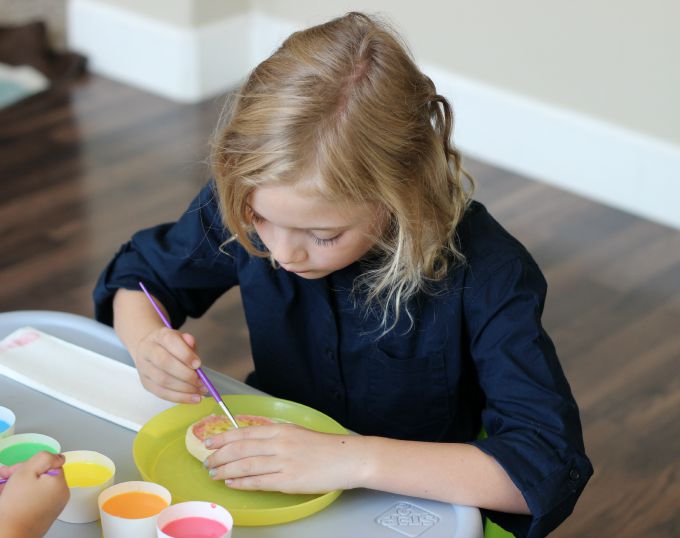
(407, 519)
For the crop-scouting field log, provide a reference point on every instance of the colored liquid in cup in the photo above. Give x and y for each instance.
(134, 505)
(84, 474)
(3, 426)
(22, 451)
(195, 527)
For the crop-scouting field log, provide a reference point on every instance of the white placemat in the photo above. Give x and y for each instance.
(89, 381)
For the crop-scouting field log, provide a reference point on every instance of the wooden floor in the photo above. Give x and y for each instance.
(80, 174)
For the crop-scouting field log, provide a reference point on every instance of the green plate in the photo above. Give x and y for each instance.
(161, 457)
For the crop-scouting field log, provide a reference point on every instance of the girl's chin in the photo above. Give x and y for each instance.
(311, 275)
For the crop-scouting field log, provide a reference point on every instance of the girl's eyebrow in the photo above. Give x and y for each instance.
(325, 228)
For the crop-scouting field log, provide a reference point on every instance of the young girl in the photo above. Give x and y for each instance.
(31, 500)
(374, 289)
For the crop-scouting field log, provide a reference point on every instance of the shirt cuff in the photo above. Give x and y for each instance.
(550, 498)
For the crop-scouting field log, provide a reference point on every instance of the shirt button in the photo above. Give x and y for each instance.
(330, 354)
(574, 475)
(337, 395)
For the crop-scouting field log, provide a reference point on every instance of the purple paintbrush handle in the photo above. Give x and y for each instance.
(155, 306)
(208, 384)
(201, 375)
(51, 472)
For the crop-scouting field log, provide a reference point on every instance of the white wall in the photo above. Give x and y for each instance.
(582, 95)
(184, 13)
(615, 60)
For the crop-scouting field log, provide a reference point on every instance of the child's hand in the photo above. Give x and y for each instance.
(287, 458)
(6, 472)
(32, 500)
(166, 363)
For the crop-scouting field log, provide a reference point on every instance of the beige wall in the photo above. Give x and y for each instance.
(183, 12)
(615, 60)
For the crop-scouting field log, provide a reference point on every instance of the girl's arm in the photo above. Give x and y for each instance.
(450, 472)
(292, 459)
(134, 318)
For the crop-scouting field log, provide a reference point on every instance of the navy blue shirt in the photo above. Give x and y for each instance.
(475, 353)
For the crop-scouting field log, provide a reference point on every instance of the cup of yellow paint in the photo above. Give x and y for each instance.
(7, 421)
(130, 509)
(87, 473)
(22, 446)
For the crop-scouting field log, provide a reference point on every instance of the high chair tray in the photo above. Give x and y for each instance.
(356, 513)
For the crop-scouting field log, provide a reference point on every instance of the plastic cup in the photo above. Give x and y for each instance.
(7, 421)
(22, 446)
(120, 526)
(82, 506)
(196, 512)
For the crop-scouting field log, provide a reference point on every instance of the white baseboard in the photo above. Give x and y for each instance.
(183, 64)
(602, 161)
(605, 162)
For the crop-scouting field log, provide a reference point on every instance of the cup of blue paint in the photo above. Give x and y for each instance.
(7, 422)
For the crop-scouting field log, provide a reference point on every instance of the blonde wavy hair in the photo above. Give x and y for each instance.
(345, 99)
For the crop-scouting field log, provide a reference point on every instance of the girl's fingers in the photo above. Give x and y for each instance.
(240, 450)
(167, 363)
(43, 462)
(264, 482)
(171, 395)
(266, 431)
(254, 466)
(190, 340)
(176, 344)
(163, 379)
(167, 387)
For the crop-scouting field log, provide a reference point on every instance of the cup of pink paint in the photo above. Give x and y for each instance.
(194, 518)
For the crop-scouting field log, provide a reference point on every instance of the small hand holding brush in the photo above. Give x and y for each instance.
(201, 374)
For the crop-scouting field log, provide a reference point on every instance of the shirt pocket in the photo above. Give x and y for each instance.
(408, 397)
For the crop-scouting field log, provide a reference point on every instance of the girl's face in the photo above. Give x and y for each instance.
(310, 236)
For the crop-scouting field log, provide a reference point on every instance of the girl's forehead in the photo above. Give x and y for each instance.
(291, 207)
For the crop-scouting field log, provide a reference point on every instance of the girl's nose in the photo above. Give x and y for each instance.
(286, 249)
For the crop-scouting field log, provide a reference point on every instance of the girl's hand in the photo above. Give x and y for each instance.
(32, 500)
(287, 458)
(166, 361)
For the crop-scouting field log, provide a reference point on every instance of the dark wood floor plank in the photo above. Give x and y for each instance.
(80, 173)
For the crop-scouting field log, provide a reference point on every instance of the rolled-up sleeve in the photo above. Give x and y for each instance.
(181, 263)
(530, 416)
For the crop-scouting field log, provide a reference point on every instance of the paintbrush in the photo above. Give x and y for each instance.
(201, 375)
(51, 472)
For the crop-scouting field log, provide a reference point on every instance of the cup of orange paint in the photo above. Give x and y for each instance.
(195, 518)
(87, 473)
(131, 509)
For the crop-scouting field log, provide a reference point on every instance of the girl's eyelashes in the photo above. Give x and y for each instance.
(257, 219)
(254, 217)
(325, 242)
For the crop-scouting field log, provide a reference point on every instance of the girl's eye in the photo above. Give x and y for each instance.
(325, 242)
